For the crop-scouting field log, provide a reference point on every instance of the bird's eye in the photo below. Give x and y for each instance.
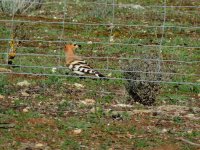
(75, 44)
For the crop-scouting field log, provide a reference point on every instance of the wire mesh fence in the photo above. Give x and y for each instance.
(114, 35)
(148, 50)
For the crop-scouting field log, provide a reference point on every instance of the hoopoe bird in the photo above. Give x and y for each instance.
(76, 64)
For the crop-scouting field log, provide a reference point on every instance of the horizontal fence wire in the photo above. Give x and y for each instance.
(98, 69)
(112, 58)
(102, 24)
(106, 43)
(93, 77)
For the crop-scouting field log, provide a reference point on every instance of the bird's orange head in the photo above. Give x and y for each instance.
(71, 47)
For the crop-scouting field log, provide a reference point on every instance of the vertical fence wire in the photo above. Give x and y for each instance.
(162, 36)
(63, 30)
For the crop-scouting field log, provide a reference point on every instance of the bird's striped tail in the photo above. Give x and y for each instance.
(80, 67)
(90, 71)
(99, 75)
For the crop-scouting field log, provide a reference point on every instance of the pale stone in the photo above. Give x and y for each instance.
(123, 105)
(130, 6)
(88, 102)
(111, 38)
(39, 145)
(1, 97)
(25, 94)
(5, 70)
(164, 130)
(109, 75)
(189, 115)
(198, 95)
(92, 110)
(25, 110)
(78, 85)
(189, 131)
(89, 42)
(53, 69)
(23, 83)
(77, 131)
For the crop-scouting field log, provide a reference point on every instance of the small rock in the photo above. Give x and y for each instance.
(77, 131)
(109, 75)
(88, 102)
(25, 94)
(53, 69)
(131, 6)
(23, 83)
(92, 110)
(25, 110)
(38, 145)
(111, 26)
(5, 70)
(78, 85)
(1, 97)
(164, 130)
(198, 95)
(189, 115)
(89, 42)
(111, 39)
(62, 101)
(74, 20)
(189, 131)
(123, 105)
(130, 136)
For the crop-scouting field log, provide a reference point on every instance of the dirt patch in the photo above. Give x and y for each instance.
(38, 121)
(167, 147)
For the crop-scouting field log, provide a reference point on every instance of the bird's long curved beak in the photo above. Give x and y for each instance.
(79, 46)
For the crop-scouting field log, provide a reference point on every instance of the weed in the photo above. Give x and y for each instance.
(75, 123)
(141, 143)
(70, 143)
(178, 120)
(132, 129)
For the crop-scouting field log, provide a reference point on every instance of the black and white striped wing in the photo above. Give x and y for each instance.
(81, 67)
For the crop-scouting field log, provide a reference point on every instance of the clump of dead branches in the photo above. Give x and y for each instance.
(143, 80)
(19, 6)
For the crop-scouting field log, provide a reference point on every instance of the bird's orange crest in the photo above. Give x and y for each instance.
(69, 52)
(70, 47)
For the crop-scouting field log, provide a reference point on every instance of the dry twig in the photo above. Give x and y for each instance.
(188, 142)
